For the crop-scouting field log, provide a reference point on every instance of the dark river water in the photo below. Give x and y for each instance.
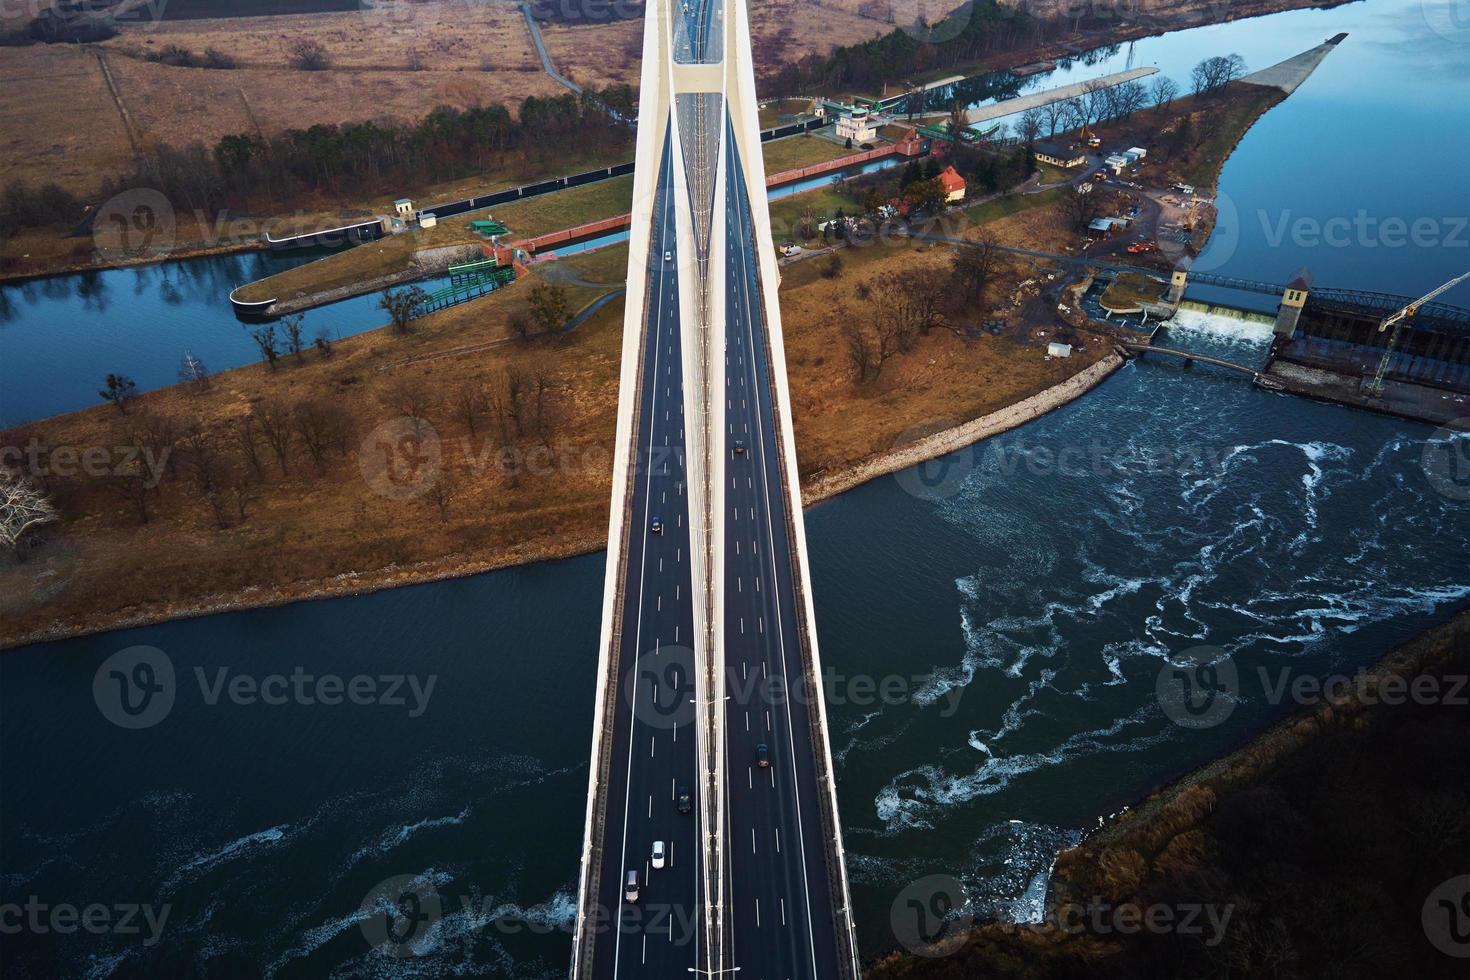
(1025, 600)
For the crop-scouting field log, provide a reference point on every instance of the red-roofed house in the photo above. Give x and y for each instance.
(953, 184)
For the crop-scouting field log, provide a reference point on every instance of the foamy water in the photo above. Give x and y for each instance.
(1196, 510)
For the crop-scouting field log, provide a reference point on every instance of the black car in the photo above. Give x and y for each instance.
(683, 798)
(739, 448)
(763, 756)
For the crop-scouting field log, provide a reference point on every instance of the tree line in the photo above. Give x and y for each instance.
(370, 157)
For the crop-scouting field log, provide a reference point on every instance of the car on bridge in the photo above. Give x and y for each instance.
(684, 806)
(630, 890)
(657, 527)
(763, 756)
(739, 448)
(659, 855)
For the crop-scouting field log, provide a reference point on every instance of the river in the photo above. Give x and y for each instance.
(1025, 595)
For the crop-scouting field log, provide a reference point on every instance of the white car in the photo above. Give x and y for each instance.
(658, 854)
(630, 889)
(668, 256)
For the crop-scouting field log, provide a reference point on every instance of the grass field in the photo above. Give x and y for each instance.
(800, 151)
(524, 219)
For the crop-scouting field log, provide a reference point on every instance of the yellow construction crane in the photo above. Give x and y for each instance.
(1396, 321)
(1189, 219)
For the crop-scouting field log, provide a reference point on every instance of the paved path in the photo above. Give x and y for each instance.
(546, 64)
(1061, 93)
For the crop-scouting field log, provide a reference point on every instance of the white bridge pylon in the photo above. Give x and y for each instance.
(697, 92)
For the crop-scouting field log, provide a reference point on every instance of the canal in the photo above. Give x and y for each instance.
(1025, 594)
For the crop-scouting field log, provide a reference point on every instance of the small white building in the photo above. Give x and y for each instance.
(854, 124)
(428, 219)
(1138, 151)
(1055, 349)
(403, 207)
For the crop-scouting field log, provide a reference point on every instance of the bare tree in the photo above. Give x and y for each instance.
(23, 508)
(273, 419)
(1214, 73)
(247, 436)
(907, 306)
(441, 494)
(974, 267)
(157, 436)
(1092, 104)
(858, 345)
(543, 411)
(265, 339)
(193, 372)
(291, 325)
(1128, 98)
(323, 427)
(1082, 207)
(1055, 113)
(1164, 91)
(243, 493)
(1030, 123)
(507, 401)
(205, 469)
(470, 404)
(412, 400)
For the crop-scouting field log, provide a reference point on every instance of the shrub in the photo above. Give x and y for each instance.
(307, 55)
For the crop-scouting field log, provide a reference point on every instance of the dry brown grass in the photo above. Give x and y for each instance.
(451, 36)
(782, 31)
(310, 525)
(59, 122)
(945, 379)
(309, 528)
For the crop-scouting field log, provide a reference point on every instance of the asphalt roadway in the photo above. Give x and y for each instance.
(780, 915)
(654, 736)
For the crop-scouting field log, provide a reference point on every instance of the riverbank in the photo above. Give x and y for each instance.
(959, 437)
(579, 531)
(1343, 817)
(262, 491)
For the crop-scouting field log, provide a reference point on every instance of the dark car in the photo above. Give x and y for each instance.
(657, 527)
(763, 756)
(683, 799)
(739, 448)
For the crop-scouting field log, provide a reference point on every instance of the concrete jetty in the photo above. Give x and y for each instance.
(1047, 96)
(1288, 75)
